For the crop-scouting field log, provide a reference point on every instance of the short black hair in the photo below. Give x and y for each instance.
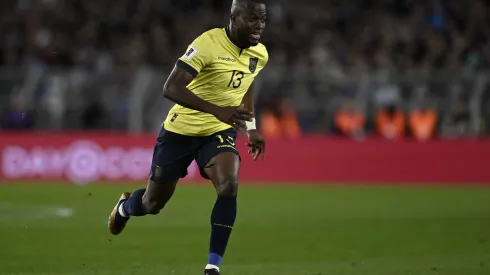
(241, 5)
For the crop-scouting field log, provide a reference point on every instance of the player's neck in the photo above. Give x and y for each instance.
(232, 36)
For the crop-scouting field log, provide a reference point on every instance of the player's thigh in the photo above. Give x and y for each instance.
(223, 173)
(219, 161)
(172, 155)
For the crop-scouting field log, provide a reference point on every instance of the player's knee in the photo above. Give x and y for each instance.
(228, 187)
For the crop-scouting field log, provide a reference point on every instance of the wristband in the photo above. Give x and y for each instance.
(250, 124)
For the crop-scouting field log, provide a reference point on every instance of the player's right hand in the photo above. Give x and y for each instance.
(234, 116)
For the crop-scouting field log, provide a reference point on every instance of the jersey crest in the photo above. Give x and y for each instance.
(253, 64)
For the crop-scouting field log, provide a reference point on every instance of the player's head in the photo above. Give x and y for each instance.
(247, 21)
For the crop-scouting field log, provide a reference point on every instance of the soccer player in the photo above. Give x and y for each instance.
(212, 86)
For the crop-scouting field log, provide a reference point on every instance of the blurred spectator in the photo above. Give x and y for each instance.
(279, 120)
(350, 121)
(422, 121)
(390, 122)
(94, 116)
(335, 42)
(485, 121)
(458, 122)
(387, 34)
(385, 92)
(17, 116)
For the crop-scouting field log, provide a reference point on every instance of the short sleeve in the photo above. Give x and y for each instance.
(197, 56)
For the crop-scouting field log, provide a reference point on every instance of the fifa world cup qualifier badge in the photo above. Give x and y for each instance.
(191, 52)
(253, 64)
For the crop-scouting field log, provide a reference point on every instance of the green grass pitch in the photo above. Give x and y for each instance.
(62, 229)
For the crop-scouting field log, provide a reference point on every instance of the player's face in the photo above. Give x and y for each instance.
(251, 24)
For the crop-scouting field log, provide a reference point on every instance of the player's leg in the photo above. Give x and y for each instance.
(223, 172)
(171, 157)
(222, 169)
(149, 200)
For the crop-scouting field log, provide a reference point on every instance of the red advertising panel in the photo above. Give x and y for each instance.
(87, 157)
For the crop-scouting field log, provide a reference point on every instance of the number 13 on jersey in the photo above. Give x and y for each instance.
(236, 79)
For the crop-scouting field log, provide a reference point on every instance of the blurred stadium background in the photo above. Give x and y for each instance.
(377, 115)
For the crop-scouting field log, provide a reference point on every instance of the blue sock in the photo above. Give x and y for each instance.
(214, 259)
(134, 205)
(222, 221)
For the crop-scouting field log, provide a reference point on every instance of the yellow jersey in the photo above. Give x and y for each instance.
(222, 72)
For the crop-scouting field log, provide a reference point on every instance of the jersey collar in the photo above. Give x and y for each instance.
(233, 41)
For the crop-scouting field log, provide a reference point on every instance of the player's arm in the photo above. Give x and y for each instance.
(248, 99)
(256, 141)
(248, 103)
(175, 89)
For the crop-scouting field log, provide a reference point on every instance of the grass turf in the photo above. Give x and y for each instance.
(279, 230)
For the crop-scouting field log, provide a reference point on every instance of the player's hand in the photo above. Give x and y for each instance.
(256, 143)
(234, 116)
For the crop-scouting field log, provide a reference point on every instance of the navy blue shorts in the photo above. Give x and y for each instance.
(173, 153)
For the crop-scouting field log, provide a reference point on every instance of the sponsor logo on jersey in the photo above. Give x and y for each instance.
(227, 59)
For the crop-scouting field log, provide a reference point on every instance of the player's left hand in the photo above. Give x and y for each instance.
(256, 143)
